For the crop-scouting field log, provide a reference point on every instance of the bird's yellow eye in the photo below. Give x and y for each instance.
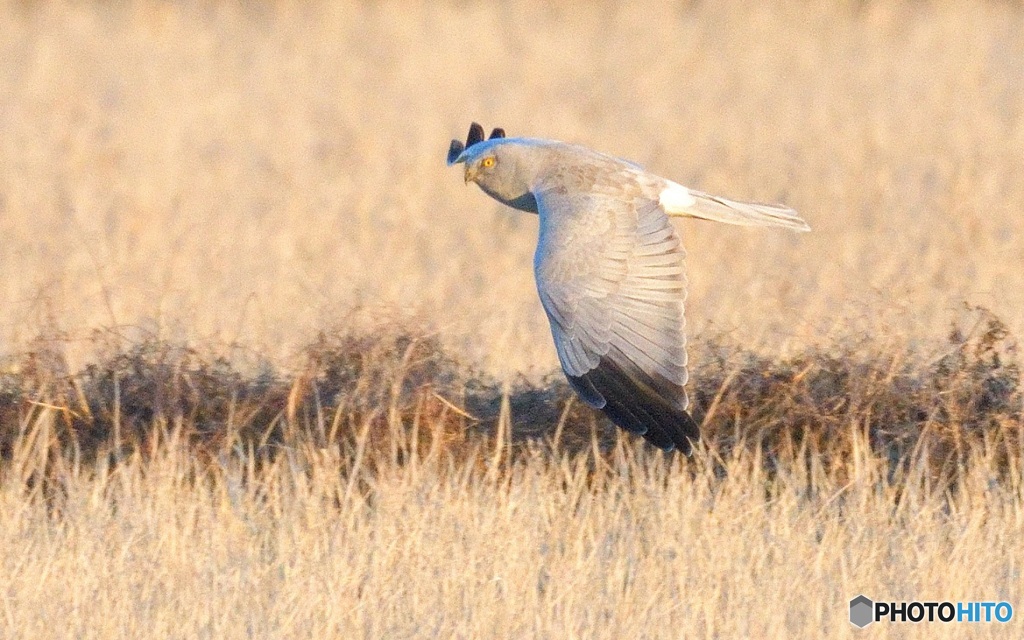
(487, 162)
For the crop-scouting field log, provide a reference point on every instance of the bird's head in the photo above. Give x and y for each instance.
(496, 165)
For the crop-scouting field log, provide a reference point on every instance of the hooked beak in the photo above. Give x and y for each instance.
(471, 172)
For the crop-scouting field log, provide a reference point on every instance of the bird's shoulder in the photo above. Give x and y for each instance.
(569, 168)
(575, 169)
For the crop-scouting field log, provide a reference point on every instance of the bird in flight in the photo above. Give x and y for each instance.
(609, 269)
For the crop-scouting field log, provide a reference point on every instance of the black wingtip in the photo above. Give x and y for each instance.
(690, 434)
(638, 408)
(454, 151)
(476, 134)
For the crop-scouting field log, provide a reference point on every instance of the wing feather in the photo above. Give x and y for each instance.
(612, 280)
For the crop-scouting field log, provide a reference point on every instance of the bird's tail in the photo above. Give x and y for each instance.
(677, 200)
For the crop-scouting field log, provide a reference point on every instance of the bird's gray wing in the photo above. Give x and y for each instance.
(611, 278)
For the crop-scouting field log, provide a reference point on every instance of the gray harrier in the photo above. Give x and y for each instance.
(609, 269)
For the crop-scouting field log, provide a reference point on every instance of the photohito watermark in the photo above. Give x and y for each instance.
(864, 611)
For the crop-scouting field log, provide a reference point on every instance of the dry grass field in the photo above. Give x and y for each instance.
(269, 369)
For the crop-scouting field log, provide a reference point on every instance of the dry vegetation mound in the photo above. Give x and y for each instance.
(399, 396)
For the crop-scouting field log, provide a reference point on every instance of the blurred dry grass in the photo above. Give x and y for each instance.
(388, 490)
(169, 548)
(222, 173)
(192, 194)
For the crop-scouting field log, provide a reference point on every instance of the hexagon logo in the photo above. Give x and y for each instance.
(862, 611)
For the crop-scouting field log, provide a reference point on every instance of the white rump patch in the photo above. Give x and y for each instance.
(675, 198)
